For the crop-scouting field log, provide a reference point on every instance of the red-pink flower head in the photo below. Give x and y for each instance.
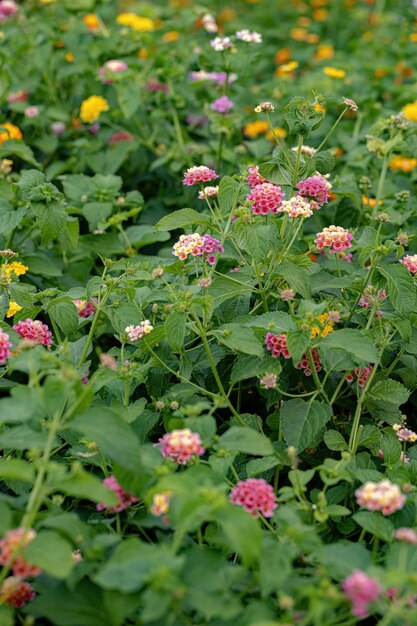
(18, 96)
(15, 592)
(120, 136)
(265, 198)
(410, 262)
(35, 331)
(383, 496)
(334, 237)
(277, 345)
(15, 540)
(84, 307)
(125, 499)
(255, 496)
(198, 174)
(114, 66)
(362, 374)
(314, 188)
(304, 364)
(5, 346)
(197, 245)
(8, 8)
(254, 178)
(181, 445)
(408, 535)
(361, 590)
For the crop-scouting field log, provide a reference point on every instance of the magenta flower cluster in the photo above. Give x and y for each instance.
(198, 174)
(181, 445)
(35, 331)
(265, 198)
(198, 245)
(277, 345)
(361, 590)
(8, 9)
(5, 346)
(84, 308)
(315, 189)
(254, 178)
(222, 105)
(362, 375)
(256, 496)
(304, 364)
(125, 499)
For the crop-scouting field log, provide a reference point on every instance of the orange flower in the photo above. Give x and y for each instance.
(312, 38)
(69, 57)
(380, 72)
(91, 21)
(9, 131)
(227, 15)
(370, 201)
(320, 15)
(282, 56)
(320, 107)
(171, 36)
(59, 44)
(324, 52)
(287, 68)
(405, 164)
(143, 53)
(413, 37)
(299, 34)
(256, 128)
(304, 21)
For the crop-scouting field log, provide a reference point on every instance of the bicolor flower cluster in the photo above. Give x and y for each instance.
(277, 345)
(112, 67)
(198, 174)
(160, 503)
(198, 245)
(208, 192)
(8, 9)
(410, 262)
(135, 333)
(297, 206)
(248, 36)
(254, 178)
(181, 445)
(315, 189)
(362, 375)
(404, 433)
(265, 107)
(15, 591)
(334, 237)
(125, 499)
(372, 297)
(5, 346)
(361, 590)
(84, 307)
(265, 198)
(220, 44)
(35, 331)
(256, 496)
(384, 496)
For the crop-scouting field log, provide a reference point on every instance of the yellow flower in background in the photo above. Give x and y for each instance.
(143, 53)
(320, 15)
(91, 21)
(320, 107)
(413, 37)
(92, 108)
(256, 128)
(9, 131)
(16, 267)
(45, 2)
(13, 308)
(410, 111)
(323, 328)
(278, 132)
(135, 22)
(312, 38)
(171, 36)
(324, 52)
(286, 68)
(299, 34)
(405, 164)
(370, 201)
(69, 57)
(333, 72)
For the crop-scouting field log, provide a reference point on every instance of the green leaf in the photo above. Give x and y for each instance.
(375, 524)
(10, 218)
(259, 466)
(51, 220)
(229, 190)
(303, 421)
(242, 532)
(65, 315)
(275, 173)
(341, 558)
(239, 338)
(387, 395)
(335, 441)
(175, 330)
(248, 367)
(181, 218)
(82, 484)
(246, 440)
(324, 162)
(17, 469)
(113, 435)
(276, 322)
(391, 449)
(297, 343)
(96, 212)
(19, 149)
(400, 286)
(52, 553)
(276, 565)
(297, 277)
(355, 343)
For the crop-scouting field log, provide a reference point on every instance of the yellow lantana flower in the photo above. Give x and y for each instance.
(323, 328)
(16, 267)
(278, 132)
(286, 68)
(13, 308)
(135, 22)
(171, 36)
(91, 21)
(405, 164)
(92, 108)
(256, 128)
(324, 52)
(334, 72)
(410, 111)
(9, 131)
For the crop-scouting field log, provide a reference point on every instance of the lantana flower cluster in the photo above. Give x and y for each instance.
(315, 189)
(198, 174)
(160, 503)
(362, 375)
(304, 363)
(336, 238)
(297, 206)
(256, 496)
(198, 245)
(125, 499)
(208, 192)
(34, 330)
(135, 333)
(404, 433)
(372, 297)
(84, 308)
(92, 108)
(5, 346)
(277, 345)
(14, 590)
(410, 262)
(361, 590)
(181, 445)
(265, 198)
(384, 496)
(254, 178)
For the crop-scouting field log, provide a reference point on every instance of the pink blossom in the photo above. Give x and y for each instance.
(114, 66)
(361, 590)
(410, 262)
(18, 96)
(154, 85)
(351, 104)
(125, 499)
(5, 346)
(197, 245)
(334, 316)
(219, 44)
(222, 105)
(15, 592)
(268, 381)
(372, 297)
(304, 364)
(297, 206)
(32, 112)
(265, 107)
(255, 496)
(383, 496)
(408, 535)
(361, 373)
(198, 174)
(287, 295)
(277, 345)
(314, 188)
(265, 198)
(15, 539)
(181, 445)
(120, 136)
(208, 192)
(58, 128)
(84, 307)
(254, 178)
(8, 8)
(334, 237)
(107, 360)
(135, 333)
(35, 331)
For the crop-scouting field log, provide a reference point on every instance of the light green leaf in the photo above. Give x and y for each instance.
(52, 553)
(375, 524)
(401, 290)
(239, 338)
(355, 343)
(246, 440)
(175, 330)
(303, 421)
(297, 343)
(181, 218)
(229, 190)
(17, 469)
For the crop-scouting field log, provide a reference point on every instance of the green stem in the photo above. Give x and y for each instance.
(380, 186)
(337, 390)
(354, 439)
(298, 159)
(331, 131)
(316, 379)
